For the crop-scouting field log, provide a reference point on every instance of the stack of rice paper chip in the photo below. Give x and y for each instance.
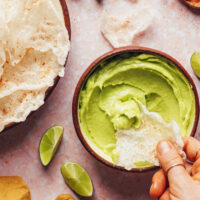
(34, 44)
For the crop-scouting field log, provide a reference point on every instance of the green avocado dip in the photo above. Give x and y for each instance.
(109, 99)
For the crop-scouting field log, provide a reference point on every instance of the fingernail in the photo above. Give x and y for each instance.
(163, 147)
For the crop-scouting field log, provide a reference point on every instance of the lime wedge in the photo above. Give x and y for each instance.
(77, 179)
(49, 143)
(195, 62)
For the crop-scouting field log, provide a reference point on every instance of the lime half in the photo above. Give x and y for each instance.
(49, 143)
(195, 62)
(77, 179)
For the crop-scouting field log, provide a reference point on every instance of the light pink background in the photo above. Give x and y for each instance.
(176, 30)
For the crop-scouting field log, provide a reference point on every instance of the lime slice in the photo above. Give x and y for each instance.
(49, 143)
(77, 179)
(195, 62)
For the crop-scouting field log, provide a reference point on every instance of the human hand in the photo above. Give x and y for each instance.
(177, 180)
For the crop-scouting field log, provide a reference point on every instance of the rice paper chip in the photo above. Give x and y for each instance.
(17, 106)
(37, 70)
(137, 146)
(122, 31)
(35, 24)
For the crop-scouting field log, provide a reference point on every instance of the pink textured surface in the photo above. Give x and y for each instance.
(176, 31)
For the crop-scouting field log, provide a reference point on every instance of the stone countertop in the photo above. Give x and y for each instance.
(175, 30)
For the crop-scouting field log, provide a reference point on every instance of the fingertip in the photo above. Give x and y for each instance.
(152, 192)
(155, 190)
(158, 184)
(163, 147)
(159, 143)
(165, 195)
(191, 148)
(186, 140)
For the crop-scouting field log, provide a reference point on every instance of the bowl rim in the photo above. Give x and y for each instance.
(56, 80)
(88, 72)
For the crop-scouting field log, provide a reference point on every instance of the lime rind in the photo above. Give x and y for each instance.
(49, 143)
(77, 179)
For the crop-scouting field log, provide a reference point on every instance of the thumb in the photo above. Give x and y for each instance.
(172, 163)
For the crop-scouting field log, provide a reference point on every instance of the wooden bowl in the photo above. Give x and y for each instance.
(50, 89)
(193, 5)
(92, 67)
